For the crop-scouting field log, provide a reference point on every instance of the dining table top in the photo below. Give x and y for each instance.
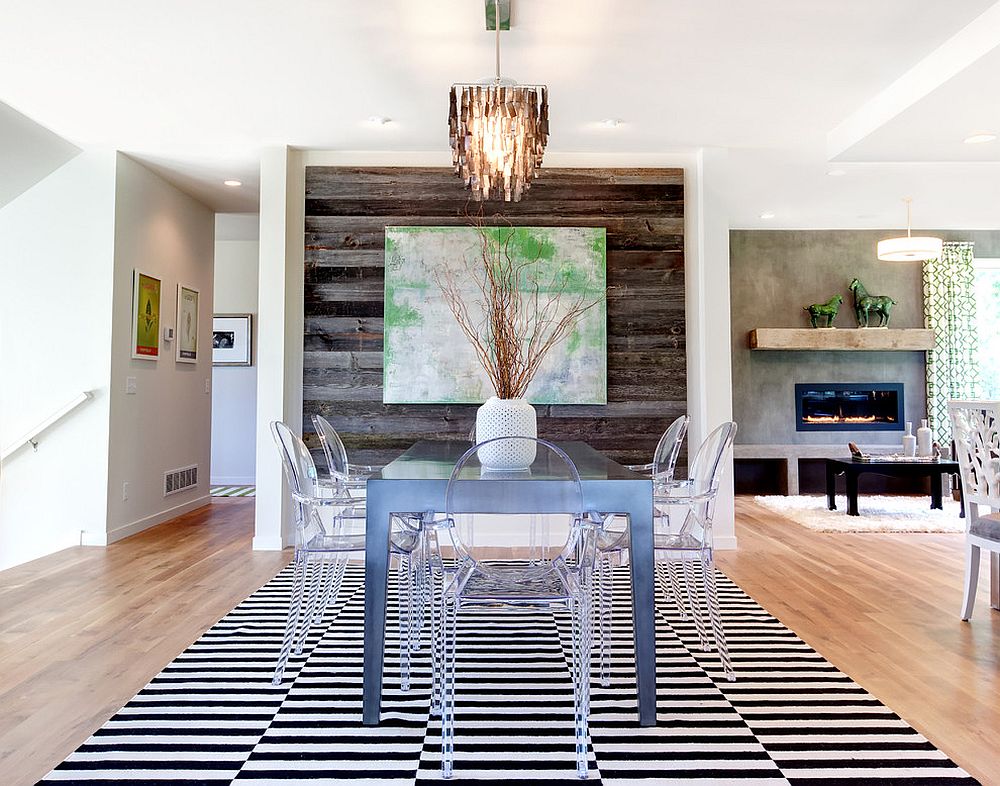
(435, 460)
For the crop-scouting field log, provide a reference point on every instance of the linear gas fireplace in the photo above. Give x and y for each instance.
(849, 407)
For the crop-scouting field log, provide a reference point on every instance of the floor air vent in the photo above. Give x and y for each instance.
(179, 479)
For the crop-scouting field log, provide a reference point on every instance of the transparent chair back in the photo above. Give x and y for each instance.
(333, 448)
(668, 449)
(300, 469)
(512, 535)
(705, 474)
(324, 519)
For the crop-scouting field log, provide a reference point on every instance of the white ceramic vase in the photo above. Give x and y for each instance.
(909, 441)
(925, 440)
(503, 417)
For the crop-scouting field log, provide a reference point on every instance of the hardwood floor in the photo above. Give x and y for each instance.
(82, 630)
(884, 609)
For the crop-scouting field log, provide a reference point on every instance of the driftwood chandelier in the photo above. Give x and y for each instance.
(498, 131)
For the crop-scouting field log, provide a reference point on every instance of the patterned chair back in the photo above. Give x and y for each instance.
(976, 432)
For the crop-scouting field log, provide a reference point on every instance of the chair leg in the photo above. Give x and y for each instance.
(450, 624)
(712, 593)
(972, 560)
(419, 580)
(405, 597)
(692, 585)
(676, 587)
(437, 634)
(292, 623)
(325, 585)
(605, 596)
(314, 580)
(581, 683)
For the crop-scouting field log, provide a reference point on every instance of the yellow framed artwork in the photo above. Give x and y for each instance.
(145, 316)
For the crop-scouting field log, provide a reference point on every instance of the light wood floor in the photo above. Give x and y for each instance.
(884, 609)
(81, 631)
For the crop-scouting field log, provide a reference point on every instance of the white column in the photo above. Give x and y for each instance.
(279, 331)
(709, 349)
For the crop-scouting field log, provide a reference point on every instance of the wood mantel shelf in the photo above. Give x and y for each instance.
(842, 339)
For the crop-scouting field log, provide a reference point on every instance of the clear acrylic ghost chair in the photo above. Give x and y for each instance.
(350, 480)
(692, 503)
(344, 475)
(976, 431)
(329, 530)
(479, 504)
(612, 543)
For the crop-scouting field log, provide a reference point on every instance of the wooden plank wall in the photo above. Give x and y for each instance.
(346, 212)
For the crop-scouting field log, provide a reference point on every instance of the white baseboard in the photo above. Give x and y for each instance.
(157, 518)
(88, 538)
(267, 543)
(724, 542)
(234, 480)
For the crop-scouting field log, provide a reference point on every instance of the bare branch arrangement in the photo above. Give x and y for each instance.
(520, 312)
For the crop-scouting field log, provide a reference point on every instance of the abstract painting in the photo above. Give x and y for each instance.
(428, 359)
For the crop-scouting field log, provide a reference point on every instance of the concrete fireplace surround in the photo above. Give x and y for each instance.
(773, 274)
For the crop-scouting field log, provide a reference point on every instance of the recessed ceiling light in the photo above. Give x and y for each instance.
(836, 172)
(611, 122)
(767, 215)
(379, 120)
(232, 183)
(980, 137)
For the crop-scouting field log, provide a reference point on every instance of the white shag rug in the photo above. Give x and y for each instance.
(878, 514)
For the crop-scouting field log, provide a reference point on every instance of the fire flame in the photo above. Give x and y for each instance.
(839, 419)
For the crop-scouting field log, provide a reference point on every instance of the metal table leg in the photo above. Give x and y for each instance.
(376, 587)
(831, 487)
(642, 562)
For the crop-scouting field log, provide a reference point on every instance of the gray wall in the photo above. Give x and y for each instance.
(774, 274)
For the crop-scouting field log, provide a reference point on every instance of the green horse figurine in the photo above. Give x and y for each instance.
(866, 305)
(827, 311)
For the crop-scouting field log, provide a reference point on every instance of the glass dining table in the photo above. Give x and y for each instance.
(416, 482)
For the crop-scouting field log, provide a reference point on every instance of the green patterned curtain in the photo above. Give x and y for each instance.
(950, 311)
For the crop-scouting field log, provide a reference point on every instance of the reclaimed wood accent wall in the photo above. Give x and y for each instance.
(346, 212)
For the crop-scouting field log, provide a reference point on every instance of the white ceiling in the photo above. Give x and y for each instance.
(196, 89)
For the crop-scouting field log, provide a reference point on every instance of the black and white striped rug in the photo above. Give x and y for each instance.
(212, 715)
(233, 491)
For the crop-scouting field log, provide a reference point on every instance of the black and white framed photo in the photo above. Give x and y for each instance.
(232, 339)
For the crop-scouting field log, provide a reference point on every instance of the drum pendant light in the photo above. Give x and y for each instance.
(909, 248)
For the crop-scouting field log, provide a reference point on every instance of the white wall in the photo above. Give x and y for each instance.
(281, 320)
(234, 389)
(29, 152)
(279, 355)
(167, 423)
(56, 267)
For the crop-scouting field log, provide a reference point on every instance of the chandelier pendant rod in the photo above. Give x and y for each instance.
(496, 24)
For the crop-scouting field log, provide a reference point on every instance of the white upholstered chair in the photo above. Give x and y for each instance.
(976, 432)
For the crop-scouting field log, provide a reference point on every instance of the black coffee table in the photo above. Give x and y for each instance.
(900, 469)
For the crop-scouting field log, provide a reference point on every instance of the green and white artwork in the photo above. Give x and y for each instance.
(428, 359)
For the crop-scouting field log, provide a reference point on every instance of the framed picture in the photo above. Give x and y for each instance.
(186, 335)
(232, 339)
(145, 316)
